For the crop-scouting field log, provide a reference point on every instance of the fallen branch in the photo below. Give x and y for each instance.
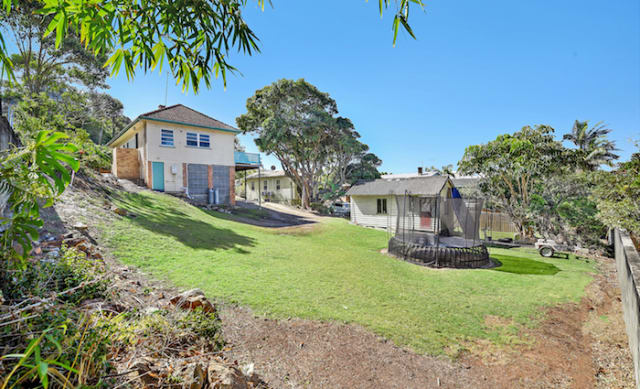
(13, 314)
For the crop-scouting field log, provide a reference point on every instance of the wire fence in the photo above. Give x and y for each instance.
(440, 231)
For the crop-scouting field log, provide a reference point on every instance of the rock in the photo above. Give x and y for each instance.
(193, 299)
(199, 377)
(80, 227)
(248, 369)
(143, 367)
(225, 377)
(120, 211)
(55, 253)
(68, 235)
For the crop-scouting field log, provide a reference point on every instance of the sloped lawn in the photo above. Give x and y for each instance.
(334, 271)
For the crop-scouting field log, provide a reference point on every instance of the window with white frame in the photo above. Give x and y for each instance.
(192, 139)
(204, 140)
(277, 184)
(195, 139)
(253, 186)
(382, 206)
(265, 185)
(166, 138)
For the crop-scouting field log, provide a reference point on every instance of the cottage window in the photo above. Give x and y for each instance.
(382, 206)
(166, 138)
(277, 184)
(265, 185)
(253, 186)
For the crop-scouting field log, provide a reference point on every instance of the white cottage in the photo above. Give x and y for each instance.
(374, 204)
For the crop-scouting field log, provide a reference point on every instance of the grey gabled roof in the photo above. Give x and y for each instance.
(182, 114)
(179, 114)
(428, 186)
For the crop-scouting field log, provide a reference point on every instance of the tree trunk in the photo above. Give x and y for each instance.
(306, 197)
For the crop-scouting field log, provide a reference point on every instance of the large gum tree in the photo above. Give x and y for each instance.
(296, 122)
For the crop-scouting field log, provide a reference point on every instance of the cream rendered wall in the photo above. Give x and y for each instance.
(220, 152)
(142, 152)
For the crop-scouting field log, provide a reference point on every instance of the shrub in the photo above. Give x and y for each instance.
(50, 342)
(617, 195)
(321, 208)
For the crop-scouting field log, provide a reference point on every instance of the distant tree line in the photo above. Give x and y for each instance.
(554, 191)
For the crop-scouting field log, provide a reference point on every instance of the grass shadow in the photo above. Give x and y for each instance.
(519, 265)
(151, 214)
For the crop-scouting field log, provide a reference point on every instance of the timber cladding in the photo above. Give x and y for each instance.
(126, 163)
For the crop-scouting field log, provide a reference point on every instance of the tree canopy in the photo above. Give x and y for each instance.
(617, 194)
(41, 65)
(511, 165)
(193, 38)
(298, 124)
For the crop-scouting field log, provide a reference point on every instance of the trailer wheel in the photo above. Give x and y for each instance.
(546, 251)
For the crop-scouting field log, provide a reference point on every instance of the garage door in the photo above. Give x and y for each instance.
(221, 183)
(198, 180)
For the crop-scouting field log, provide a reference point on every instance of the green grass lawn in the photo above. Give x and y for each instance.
(334, 271)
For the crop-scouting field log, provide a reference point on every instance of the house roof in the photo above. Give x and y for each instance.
(428, 173)
(466, 181)
(429, 186)
(179, 114)
(267, 174)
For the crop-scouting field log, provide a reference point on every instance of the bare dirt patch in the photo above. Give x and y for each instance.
(312, 354)
(576, 346)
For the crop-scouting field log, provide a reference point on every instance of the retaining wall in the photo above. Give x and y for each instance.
(628, 265)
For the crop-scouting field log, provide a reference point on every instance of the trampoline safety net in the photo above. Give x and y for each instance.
(439, 231)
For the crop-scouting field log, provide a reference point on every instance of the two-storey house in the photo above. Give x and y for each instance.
(178, 149)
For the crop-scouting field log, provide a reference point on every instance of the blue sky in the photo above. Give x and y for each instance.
(477, 69)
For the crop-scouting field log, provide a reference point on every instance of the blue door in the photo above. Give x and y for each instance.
(157, 176)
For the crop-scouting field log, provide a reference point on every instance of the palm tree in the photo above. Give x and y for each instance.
(594, 149)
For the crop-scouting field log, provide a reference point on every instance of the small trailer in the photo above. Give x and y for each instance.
(547, 248)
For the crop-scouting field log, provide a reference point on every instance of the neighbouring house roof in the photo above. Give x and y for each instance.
(466, 181)
(428, 186)
(267, 174)
(411, 175)
(179, 114)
